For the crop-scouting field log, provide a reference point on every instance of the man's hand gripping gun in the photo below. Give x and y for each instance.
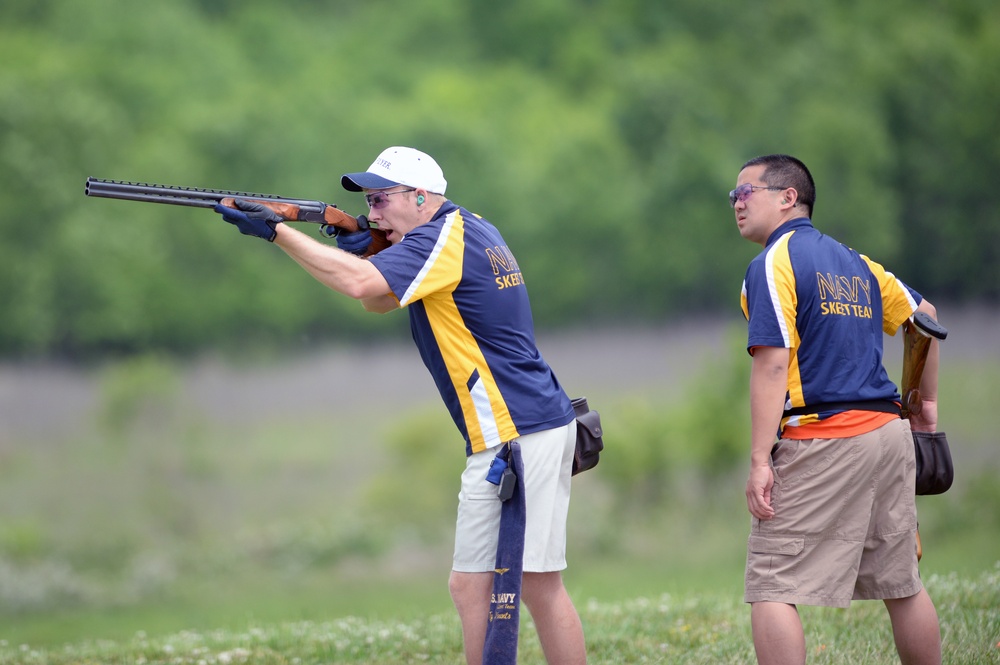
(332, 218)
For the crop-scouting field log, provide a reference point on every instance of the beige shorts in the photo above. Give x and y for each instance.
(548, 464)
(844, 525)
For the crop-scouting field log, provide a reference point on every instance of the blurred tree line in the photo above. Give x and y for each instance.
(601, 137)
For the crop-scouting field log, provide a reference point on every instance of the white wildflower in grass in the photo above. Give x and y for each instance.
(238, 655)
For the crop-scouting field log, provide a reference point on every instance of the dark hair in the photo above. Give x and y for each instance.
(786, 171)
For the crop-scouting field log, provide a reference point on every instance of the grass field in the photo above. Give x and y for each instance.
(703, 628)
(221, 512)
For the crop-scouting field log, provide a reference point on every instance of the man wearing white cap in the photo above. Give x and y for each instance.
(471, 320)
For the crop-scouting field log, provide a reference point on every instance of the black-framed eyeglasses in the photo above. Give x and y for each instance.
(377, 200)
(743, 192)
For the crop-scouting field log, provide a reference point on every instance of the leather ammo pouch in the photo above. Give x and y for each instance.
(935, 471)
(589, 436)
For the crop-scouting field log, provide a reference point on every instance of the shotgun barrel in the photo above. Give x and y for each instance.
(299, 210)
(188, 196)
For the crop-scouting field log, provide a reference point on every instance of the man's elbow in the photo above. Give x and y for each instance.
(379, 304)
(361, 288)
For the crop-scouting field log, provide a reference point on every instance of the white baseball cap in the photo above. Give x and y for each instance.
(398, 166)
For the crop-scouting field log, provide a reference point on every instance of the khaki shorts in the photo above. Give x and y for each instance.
(548, 465)
(844, 525)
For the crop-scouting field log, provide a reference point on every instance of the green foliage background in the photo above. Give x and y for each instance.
(600, 136)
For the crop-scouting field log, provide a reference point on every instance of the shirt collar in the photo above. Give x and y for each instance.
(446, 208)
(790, 225)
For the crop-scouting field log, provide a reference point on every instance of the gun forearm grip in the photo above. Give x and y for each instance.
(292, 212)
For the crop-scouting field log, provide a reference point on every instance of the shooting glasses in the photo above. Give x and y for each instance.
(377, 200)
(743, 192)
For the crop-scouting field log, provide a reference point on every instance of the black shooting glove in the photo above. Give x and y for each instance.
(356, 242)
(251, 218)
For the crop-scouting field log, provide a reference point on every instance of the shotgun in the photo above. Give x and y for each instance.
(932, 453)
(295, 210)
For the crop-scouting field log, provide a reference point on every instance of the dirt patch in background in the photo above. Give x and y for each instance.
(41, 401)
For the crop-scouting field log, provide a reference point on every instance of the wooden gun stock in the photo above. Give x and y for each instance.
(918, 332)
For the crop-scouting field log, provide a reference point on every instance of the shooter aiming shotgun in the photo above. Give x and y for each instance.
(332, 219)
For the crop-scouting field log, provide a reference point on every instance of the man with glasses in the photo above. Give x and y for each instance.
(834, 516)
(472, 323)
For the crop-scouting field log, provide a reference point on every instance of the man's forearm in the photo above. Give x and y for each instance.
(339, 270)
(768, 386)
(925, 418)
(929, 378)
